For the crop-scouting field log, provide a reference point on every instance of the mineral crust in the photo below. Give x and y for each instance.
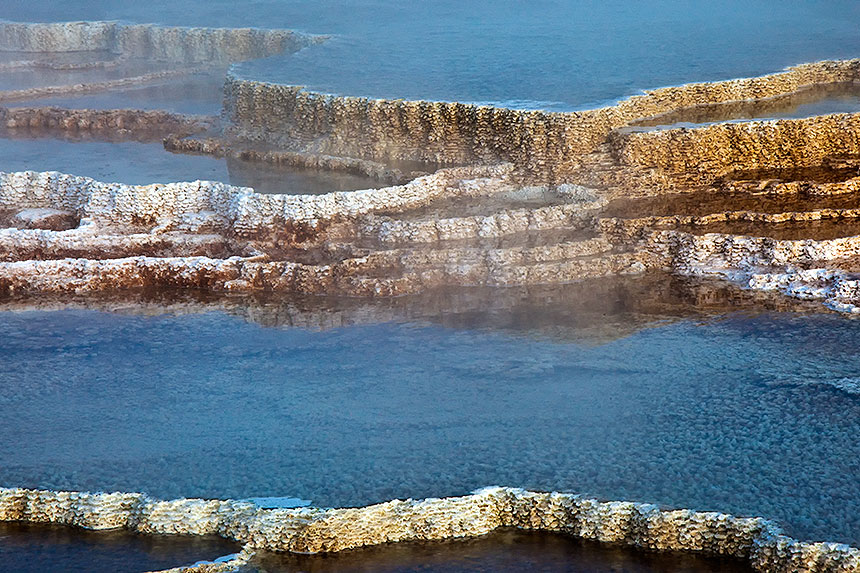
(313, 530)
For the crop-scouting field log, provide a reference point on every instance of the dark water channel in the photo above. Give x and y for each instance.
(42, 548)
(510, 550)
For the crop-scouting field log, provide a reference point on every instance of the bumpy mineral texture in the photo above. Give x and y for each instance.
(542, 144)
(325, 530)
(147, 41)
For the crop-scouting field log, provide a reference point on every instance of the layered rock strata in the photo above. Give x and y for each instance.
(135, 236)
(544, 146)
(311, 530)
(179, 142)
(112, 124)
(210, 46)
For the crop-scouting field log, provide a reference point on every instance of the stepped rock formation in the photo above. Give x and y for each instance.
(525, 198)
(210, 46)
(543, 145)
(311, 530)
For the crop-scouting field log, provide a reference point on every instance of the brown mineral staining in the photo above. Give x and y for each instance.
(114, 124)
(467, 226)
(46, 219)
(546, 145)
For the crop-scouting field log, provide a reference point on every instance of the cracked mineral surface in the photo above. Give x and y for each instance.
(750, 181)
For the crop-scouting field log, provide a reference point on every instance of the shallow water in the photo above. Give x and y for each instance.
(542, 54)
(41, 548)
(739, 414)
(138, 163)
(27, 79)
(195, 94)
(817, 100)
(508, 550)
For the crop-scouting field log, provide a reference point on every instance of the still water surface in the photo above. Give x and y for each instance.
(753, 415)
(136, 163)
(42, 548)
(504, 550)
(548, 54)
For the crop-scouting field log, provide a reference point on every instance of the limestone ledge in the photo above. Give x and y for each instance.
(234, 208)
(805, 269)
(153, 42)
(390, 273)
(505, 222)
(40, 244)
(544, 146)
(734, 251)
(621, 230)
(220, 147)
(140, 125)
(704, 154)
(314, 530)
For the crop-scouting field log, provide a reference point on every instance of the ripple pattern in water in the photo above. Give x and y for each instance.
(716, 416)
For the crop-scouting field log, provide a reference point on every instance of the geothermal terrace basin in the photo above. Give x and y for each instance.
(162, 331)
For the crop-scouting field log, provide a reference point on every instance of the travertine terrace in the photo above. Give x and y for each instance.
(467, 196)
(311, 530)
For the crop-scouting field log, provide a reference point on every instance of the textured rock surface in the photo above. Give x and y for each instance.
(110, 124)
(168, 44)
(544, 146)
(327, 530)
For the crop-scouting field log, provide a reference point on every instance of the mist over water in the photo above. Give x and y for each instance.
(543, 54)
(752, 415)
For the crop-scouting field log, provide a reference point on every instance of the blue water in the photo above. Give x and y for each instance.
(548, 54)
(739, 414)
(138, 163)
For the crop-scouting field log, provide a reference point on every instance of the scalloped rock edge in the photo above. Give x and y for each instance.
(313, 530)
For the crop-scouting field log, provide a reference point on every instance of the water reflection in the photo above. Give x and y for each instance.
(361, 404)
(121, 159)
(507, 550)
(42, 548)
